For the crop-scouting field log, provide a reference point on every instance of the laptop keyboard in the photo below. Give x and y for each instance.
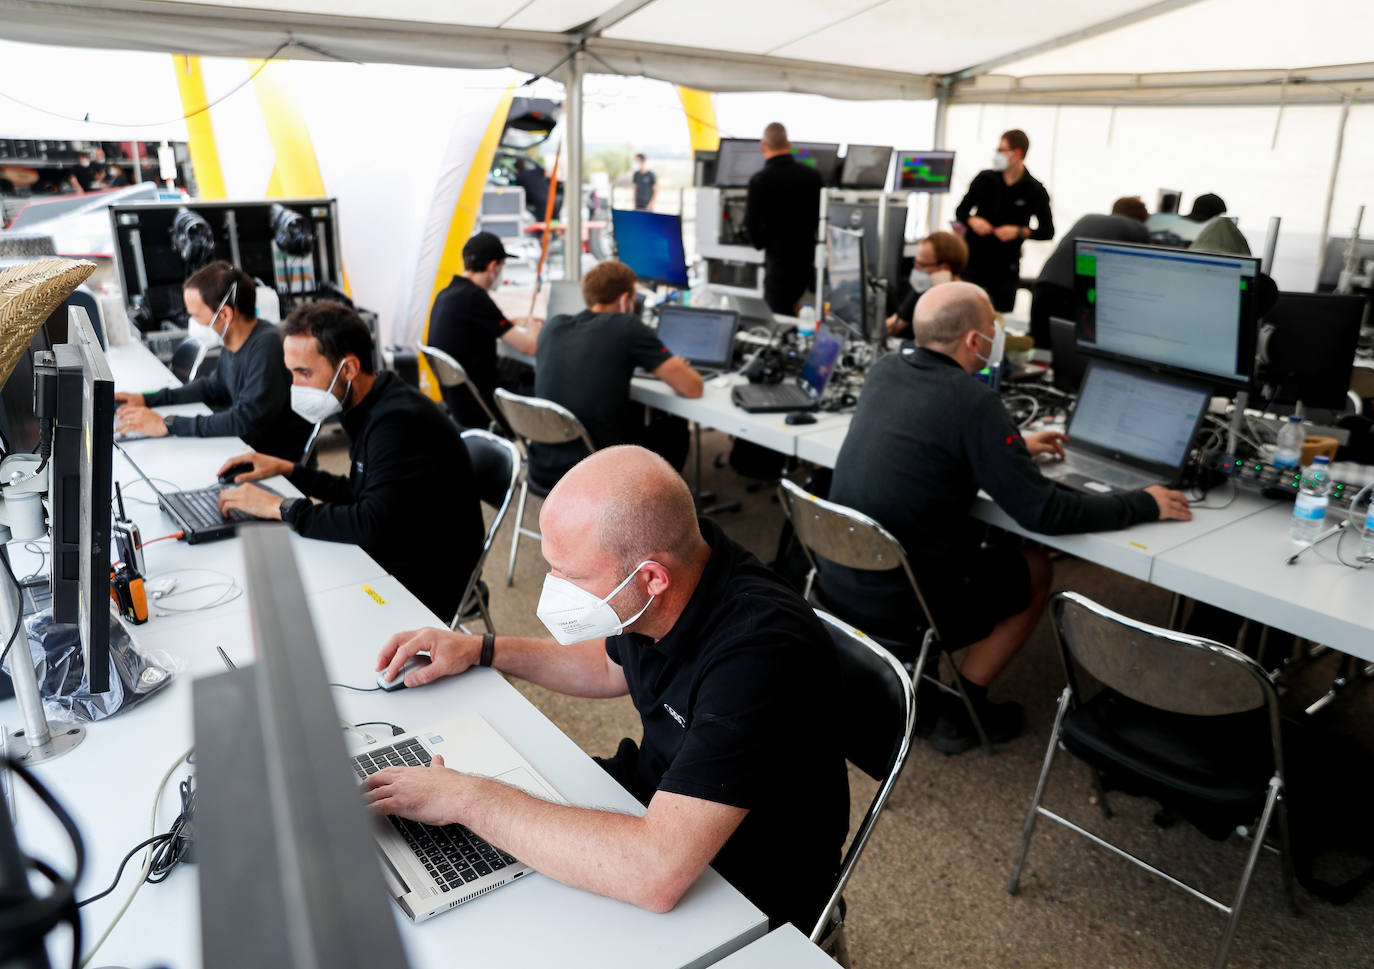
(777, 395)
(452, 854)
(202, 508)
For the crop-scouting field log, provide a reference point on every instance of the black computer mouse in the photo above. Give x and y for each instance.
(233, 471)
(799, 417)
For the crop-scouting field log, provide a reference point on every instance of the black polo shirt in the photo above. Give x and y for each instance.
(993, 264)
(737, 705)
(783, 208)
(466, 323)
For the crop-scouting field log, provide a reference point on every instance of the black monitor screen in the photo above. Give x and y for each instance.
(1189, 311)
(865, 166)
(651, 244)
(822, 156)
(924, 171)
(1309, 348)
(845, 271)
(737, 159)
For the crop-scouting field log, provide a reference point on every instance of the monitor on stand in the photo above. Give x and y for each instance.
(737, 159)
(1308, 349)
(865, 166)
(846, 280)
(822, 156)
(924, 171)
(650, 243)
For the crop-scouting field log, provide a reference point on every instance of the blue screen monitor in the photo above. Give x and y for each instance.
(651, 244)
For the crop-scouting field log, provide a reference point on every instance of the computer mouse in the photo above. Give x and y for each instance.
(799, 417)
(233, 471)
(417, 662)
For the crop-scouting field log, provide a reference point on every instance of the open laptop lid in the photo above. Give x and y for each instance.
(705, 338)
(127, 457)
(820, 362)
(565, 298)
(1137, 417)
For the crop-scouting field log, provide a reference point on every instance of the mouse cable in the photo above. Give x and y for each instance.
(356, 689)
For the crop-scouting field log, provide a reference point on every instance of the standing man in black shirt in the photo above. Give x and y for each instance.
(249, 385)
(466, 323)
(998, 209)
(925, 438)
(646, 185)
(409, 499)
(585, 363)
(733, 678)
(781, 216)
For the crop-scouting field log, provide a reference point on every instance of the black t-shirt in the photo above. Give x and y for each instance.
(585, 363)
(737, 706)
(781, 215)
(644, 188)
(466, 323)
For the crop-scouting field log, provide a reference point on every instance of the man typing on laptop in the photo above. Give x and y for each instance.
(739, 766)
(926, 436)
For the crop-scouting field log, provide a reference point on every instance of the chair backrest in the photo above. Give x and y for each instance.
(1154, 666)
(877, 713)
(844, 536)
(539, 420)
(450, 374)
(496, 472)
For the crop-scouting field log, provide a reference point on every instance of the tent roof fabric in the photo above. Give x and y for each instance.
(1166, 51)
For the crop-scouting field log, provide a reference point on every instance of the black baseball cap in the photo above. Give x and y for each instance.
(1206, 207)
(481, 249)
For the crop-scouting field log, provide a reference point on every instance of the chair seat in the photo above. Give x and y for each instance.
(1213, 771)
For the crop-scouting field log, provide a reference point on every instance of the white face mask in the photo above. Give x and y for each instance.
(316, 405)
(205, 334)
(999, 346)
(1000, 162)
(574, 615)
(920, 281)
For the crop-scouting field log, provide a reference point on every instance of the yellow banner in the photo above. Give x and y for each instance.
(200, 132)
(700, 108)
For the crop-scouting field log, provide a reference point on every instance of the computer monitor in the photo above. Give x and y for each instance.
(81, 494)
(289, 874)
(1308, 349)
(705, 338)
(737, 159)
(19, 429)
(823, 156)
(565, 299)
(865, 166)
(924, 171)
(650, 243)
(845, 278)
(1179, 309)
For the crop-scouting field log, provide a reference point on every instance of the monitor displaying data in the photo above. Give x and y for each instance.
(924, 171)
(737, 159)
(865, 166)
(1136, 414)
(1189, 311)
(650, 243)
(824, 157)
(845, 275)
(703, 337)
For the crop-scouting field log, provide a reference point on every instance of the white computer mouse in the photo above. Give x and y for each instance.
(416, 662)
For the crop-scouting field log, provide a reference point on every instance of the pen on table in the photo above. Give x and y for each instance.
(225, 656)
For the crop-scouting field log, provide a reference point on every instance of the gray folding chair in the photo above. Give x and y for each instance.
(496, 469)
(877, 717)
(851, 539)
(539, 421)
(450, 374)
(1185, 721)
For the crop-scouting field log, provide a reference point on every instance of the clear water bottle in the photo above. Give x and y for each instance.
(1309, 510)
(1291, 438)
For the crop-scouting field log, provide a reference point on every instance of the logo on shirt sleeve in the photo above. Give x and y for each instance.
(681, 721)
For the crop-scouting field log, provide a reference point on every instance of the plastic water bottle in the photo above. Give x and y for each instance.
(1291, 438)
(806, 320)
(1309, 510)
(1367, 535)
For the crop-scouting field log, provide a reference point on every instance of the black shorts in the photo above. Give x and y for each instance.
(967, 593)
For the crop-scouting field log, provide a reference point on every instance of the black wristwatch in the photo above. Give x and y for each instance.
(167, 423)
(488, 650)
(285, 506)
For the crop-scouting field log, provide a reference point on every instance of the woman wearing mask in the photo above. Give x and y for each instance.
(940, 258)
(249, 386)
(997, 211)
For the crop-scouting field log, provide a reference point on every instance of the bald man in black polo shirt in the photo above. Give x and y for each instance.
(732, 675)
(781, 216)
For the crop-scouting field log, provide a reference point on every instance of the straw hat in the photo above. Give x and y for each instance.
(28, 295)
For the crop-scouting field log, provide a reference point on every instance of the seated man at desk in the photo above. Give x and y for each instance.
(925, 438)
(249, 383)
(585, 362)
(733, 677)
(409, 499)
(940, 258)
(465, 323)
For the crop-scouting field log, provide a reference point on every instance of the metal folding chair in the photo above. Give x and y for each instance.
(450, 374)
(878, 715)
(851, 539)
(496, 466)
(539, 421)
(1180, 689)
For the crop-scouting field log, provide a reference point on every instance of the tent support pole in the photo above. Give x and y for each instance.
(935, 200)
(1331, 185)
(572, 192)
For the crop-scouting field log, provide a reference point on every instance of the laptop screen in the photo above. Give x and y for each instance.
(1139, 416)
(565, 299)
(706, 338)
(825, 350)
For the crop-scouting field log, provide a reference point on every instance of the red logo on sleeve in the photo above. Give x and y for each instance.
(1012, 438)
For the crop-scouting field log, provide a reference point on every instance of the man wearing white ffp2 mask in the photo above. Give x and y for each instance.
(731, 674)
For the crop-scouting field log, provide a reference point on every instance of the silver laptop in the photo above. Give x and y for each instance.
(753, 310)
(565, 299)
(433, 869)
(705, 338)
(1131, 429)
